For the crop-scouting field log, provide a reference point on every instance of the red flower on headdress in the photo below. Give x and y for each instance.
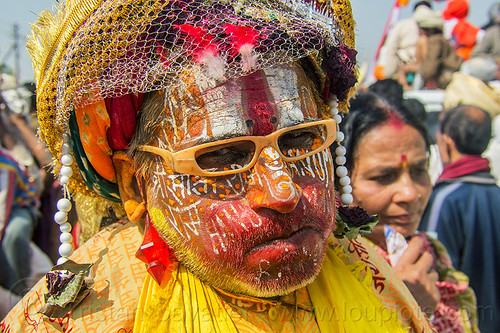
(202, 43)
(204, 49)
(241, 36)
(243, 41)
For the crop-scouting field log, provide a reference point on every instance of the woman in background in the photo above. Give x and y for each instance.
(387, 157)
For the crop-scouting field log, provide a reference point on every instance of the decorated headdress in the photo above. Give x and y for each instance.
(104, 54)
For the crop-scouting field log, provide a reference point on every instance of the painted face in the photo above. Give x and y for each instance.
(262, 232)
(392, 183)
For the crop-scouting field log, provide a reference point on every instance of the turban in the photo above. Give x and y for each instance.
(430, 20)
(456, 9)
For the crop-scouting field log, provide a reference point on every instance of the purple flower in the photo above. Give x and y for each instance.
(354, 216)
(340, 67)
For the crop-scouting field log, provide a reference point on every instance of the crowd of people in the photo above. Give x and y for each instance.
(424, 50)
(224, 172)
(26, 184)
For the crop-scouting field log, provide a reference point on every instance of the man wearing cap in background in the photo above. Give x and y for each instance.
(436, 58)
(400, 46)
(225, 177)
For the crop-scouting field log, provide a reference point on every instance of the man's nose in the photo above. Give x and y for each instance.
(271, 185)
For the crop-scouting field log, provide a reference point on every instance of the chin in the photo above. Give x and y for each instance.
(283, 276)
(284, 280)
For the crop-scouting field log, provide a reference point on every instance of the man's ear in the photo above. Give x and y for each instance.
(443, 142)
(130, 192)
(450, 145)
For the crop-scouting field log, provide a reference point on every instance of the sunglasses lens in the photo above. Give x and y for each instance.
(231, 156)
(302, 141)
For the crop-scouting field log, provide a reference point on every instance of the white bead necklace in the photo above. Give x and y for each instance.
(340, 159)
(64, 204)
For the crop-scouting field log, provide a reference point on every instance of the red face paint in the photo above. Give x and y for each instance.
(260, 109)
(395, 120)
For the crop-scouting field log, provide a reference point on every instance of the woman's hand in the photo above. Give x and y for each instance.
(415, 269)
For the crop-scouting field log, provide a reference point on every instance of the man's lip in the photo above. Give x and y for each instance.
(272, 224)
(253, 227)
(281, 228)
(274, 253)
(284, 238)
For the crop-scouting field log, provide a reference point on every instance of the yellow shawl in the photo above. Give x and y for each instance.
(186, 304)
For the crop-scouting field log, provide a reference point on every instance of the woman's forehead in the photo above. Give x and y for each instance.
(388, 142)
(256, 104)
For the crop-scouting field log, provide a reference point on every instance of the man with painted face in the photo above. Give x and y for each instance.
(244, 197)
(204, 127)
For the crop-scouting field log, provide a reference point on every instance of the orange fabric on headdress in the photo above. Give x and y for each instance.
(93, 123)
(105, 126)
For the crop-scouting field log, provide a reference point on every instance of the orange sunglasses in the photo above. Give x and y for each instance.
(239, 154)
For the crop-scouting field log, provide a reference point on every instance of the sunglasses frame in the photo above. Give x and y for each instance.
(184, 161)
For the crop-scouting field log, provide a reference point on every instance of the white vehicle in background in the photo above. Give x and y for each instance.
(432, 99)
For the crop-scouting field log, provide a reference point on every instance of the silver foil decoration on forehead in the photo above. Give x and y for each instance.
(222, 111)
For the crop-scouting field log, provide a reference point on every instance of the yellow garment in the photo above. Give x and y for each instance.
(340, 287)
(119, 281)
(343, 302)
(468, 90)
(277, 314)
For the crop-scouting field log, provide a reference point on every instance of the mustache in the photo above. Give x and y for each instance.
(247, 228)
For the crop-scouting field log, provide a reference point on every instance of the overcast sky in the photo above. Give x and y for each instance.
(370, 16)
